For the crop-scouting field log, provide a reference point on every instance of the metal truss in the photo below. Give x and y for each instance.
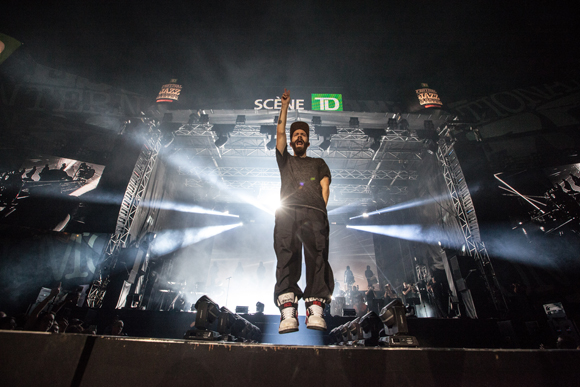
(348, 144)
(465, 211)
(271, 185)
(275, 173)
(343, 133)
(131, 200)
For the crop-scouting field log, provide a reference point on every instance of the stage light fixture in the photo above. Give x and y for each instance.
(168, 129)
(316, 120)
(241, 119)
(223, 132)
(269, 130)
(226, 320)
(354, 328)
(345, 333)
(353, 122)
(204, 119)
(428, 133)
(324, 145)
(326, 132)
(242, 309)
(394, 318)
(259, 307)
(222, 139)
(207, 312)
(371, 326)
(244, 330)
(271, 144)
(276, 120)
(376, 136)
(403, 125)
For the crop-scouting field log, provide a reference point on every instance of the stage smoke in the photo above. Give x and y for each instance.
(402, 206)
(171, 240)
(410, 232)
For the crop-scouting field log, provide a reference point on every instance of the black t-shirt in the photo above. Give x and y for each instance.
(301, 178)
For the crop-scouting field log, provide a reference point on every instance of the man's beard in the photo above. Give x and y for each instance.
(299, 152)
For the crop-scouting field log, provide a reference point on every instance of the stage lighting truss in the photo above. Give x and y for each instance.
(275, 173)
(469, 227)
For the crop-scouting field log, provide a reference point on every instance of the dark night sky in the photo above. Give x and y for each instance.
(368, 50)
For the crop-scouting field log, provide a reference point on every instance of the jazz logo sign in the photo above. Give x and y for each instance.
(328, 102)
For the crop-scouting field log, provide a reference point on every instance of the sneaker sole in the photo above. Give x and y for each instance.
(316, 327)
(288, 330)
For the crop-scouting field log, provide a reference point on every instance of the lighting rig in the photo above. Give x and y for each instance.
(394, 318)
(388, 329)
(229, 326)
(558, 207)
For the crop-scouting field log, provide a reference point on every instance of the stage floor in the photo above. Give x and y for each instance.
(79, 360)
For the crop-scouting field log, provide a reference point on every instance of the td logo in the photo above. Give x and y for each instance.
(332, 102)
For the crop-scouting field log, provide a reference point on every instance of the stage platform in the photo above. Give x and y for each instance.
(430, 332)
(28, 358)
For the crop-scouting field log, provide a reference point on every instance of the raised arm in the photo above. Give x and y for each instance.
(281, 128)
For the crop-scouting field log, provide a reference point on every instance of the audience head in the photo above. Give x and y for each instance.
(45, 322)
(7, 322)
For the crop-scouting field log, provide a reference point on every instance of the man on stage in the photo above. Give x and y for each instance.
(301, 221)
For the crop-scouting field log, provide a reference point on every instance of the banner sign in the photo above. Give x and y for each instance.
(327, 102)
(170, 92)
(428, 98)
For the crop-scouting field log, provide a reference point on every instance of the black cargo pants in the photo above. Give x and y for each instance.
(297, 227)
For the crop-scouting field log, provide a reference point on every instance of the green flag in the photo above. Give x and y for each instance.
(7, 46)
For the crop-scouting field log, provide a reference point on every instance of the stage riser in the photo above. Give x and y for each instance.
(140, 362)
(35, 359)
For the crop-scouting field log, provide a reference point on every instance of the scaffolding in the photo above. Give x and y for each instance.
(465, 211)
(129, 205)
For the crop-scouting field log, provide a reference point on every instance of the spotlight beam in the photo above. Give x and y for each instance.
(171, 240)
(402, 206)
(516, 192)
(411, 232)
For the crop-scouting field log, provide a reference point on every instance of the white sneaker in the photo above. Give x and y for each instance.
(288, 305)
(315, 314)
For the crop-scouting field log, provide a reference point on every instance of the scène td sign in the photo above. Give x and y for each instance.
(326, 102)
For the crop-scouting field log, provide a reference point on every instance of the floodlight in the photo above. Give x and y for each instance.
(242, 309)
(225, 321)
(271, 144)
(223, 132)
(259, 307)
(207, 312)
(353, 122)
(394, 318)
(269, 130)
(376, 136)
(371, 326)
(316, 120)
(222, 139)
(326, 132)
(354, 328)
(241, 120)
(324, 145)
